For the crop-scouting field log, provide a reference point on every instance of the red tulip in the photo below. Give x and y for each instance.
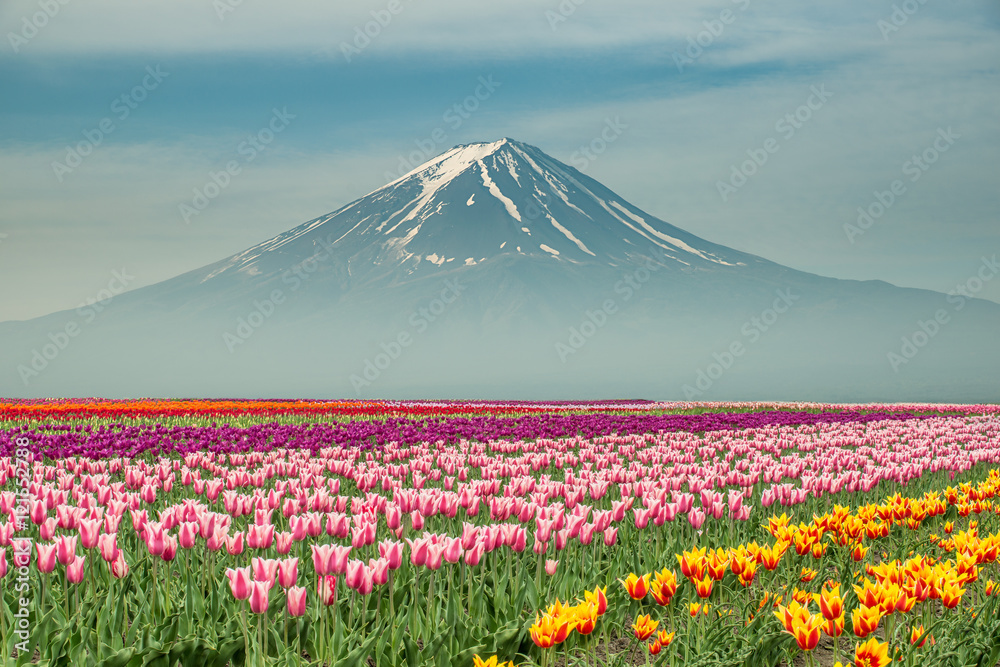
(119, 568)
(326, 589)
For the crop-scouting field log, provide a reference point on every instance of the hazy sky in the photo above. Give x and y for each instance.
(114, 113)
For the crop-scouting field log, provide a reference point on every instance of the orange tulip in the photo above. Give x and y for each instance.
(693, 563)
(598, 597)
(807, 575)
(771, 556)
(703, 587)
(654, 648)
(644, 627)
(746, 577)
(917, 634)
(807, 631)
(951, 593)
(665, 638)
(866, 620)
(858, 552)
(790, 614)
(872, 653)
(549, 631)
(663, 587)
(637, 587)
(586, 617)
(695, 607)
(834, 627)
(831, 604)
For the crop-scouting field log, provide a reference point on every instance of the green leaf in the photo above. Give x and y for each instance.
(411, 651)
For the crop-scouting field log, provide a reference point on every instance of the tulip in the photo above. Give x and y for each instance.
(47, 529)
(326, 589)
(119, 568)
(3, 563)
(239, 582)
(74, 571)
(288, 572)
(234, 544)
(550, 566)
(866, 620)
(66, 549)
(187, 534)
(806, 631)
(296, 601)
(831, 605)
(393, 553)
(46, 557)
(549, 630)
(644, 627)
(663, 587)
(872, 654)
(259, 596)
(637, 587)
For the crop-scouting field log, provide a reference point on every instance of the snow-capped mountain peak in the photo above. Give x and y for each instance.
(480, 201)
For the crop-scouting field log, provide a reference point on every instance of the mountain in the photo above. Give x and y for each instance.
(495, 270)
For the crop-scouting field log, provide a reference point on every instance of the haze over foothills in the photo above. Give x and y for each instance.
(536, 199)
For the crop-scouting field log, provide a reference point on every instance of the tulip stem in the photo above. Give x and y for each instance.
(430, 607)
(246, 635)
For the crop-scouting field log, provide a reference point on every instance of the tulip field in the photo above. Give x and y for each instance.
(452, 533)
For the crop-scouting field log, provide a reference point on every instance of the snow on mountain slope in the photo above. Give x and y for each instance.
(481, 201)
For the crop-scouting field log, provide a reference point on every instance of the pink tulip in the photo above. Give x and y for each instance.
(379, 569)
(187, 534)
(3, 563)
(46, 557)
(296, 601)
(265, 569)
(338, 562)
(169, 548)
(416, 520)
(66, 549)
(108, 546)
(216, 540)
(475, 554)
(418, 551)
(47, 529)
(550, 566)
(435, 554)
(153, 534)
(283, 542)
(74, 571)
(234, 544)
(453, 550)
(90, 529)
(322, 558)
(239, 582)
(392, 552)
(610, 536)
(259, 596)
(288, 572)
(355, 574)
